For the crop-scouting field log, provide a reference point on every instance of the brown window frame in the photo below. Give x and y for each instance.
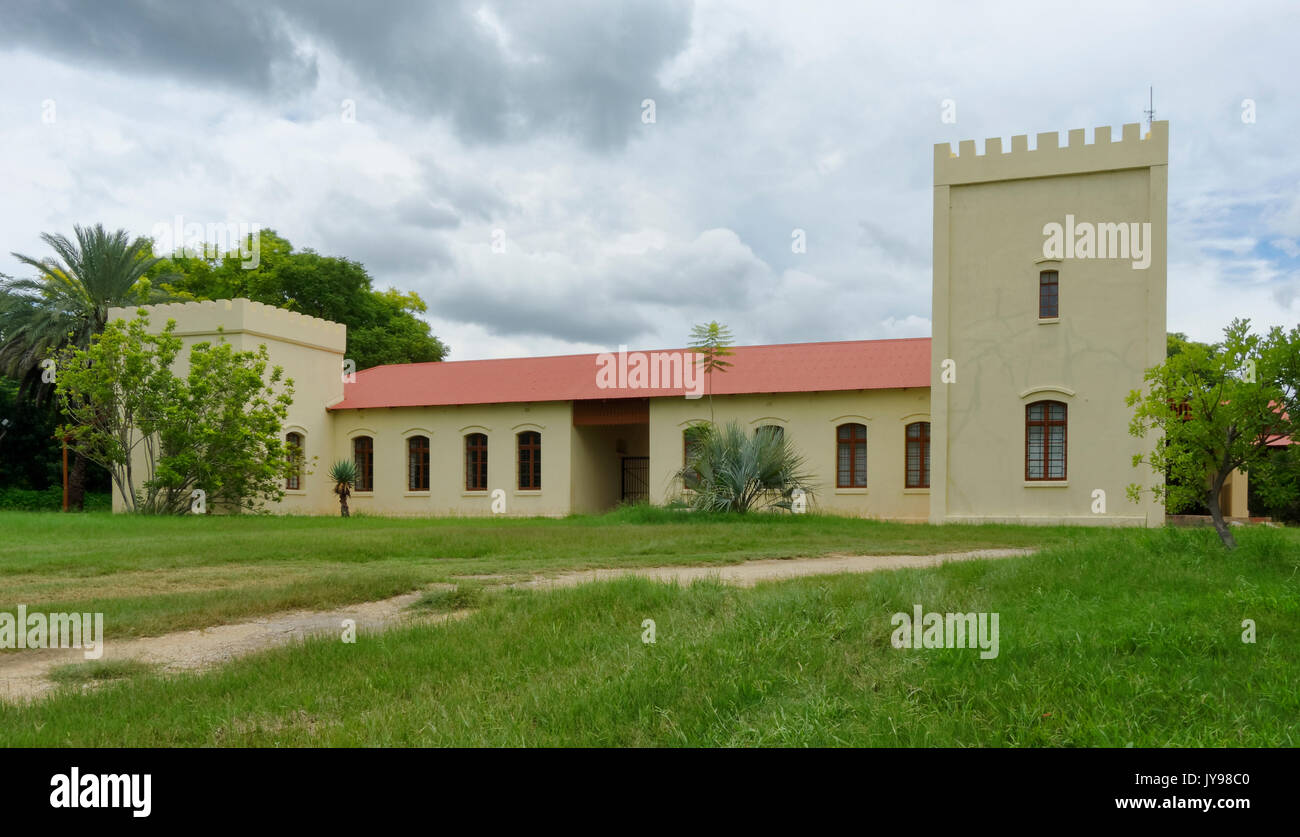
(690, 438)
(528, 446)
(922, 442)
(852, 442)
(1049, 310)
(1046, 422)
(293, 451)
(476, 453)
(363, 454)
(417, 463)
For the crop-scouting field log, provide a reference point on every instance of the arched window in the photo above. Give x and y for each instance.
(1049, 294)
(530, 460)
(363, 454)
(851, 456)
(1045, 425)
(774, 431)
(476, 462)
(417, 463)
(917, 455)
(293, 450)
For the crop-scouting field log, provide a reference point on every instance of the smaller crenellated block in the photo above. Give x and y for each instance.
(243, 316)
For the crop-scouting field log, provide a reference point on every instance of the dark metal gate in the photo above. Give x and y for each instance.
(636, 479)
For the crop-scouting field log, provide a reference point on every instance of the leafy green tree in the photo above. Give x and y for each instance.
(216, 429)
(66, 304)
(383, 326)
(713, 342)
(1217, 408)
(731, 470)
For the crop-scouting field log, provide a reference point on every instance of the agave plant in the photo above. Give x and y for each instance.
(344, 476)
(730, 469)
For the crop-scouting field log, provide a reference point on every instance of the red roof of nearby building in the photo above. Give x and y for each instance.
(791, 367)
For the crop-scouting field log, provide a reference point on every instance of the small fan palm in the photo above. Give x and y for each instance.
(732, 470)
(344, 476)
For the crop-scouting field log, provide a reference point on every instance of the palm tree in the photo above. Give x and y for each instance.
(67, 304)
(344, 476)
(713, 342)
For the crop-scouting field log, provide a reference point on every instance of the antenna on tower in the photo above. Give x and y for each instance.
(1151, 107)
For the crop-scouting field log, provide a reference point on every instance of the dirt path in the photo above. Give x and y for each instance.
(777, 569)
(25, 675)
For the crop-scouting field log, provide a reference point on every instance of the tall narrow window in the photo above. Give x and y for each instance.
(417, 463)
(476, 462)
(1049, 295)
(851, 456)
(691, 437)
(293, 449)
(773, 431)
(918, 455)
(363, 454)
(530, 461)
(1045, 424)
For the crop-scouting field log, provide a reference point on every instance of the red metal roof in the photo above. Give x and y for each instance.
(790, 367)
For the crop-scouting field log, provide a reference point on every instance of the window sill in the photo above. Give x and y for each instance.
(363, 493)
(478, 492)
(528, 492)
(851, 490)
(916, 491)
(295, 492)
(1047, 483)
(417, 494)
(1048, 320)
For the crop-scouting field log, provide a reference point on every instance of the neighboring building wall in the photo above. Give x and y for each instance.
(446, 429)
(989, 215)
(308, 348)
(810, 421)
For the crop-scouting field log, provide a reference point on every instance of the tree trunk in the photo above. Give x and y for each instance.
(343, 504)
(1216, 514)
(77, 483)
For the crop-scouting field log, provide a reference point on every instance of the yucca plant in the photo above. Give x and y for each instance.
(732, 470)
(344, 476)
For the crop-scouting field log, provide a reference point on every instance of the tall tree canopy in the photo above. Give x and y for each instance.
(382, 324)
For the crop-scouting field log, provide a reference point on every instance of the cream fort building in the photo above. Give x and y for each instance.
(1048, 305)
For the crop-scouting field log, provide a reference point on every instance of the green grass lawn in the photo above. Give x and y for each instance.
(153, 575)
(1107, 638)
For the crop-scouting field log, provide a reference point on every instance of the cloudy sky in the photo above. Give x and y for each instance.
(411, 136)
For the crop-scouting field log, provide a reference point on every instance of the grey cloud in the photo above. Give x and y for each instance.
(239, 44)
(581, 70)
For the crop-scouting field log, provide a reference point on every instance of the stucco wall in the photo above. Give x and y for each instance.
(446, 428)
(810, 420)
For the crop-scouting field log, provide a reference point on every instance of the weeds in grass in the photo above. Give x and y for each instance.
(98, 671)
